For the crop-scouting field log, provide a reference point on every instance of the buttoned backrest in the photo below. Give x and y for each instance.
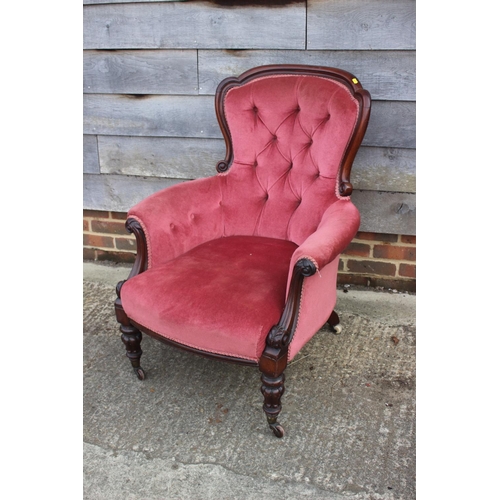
(289, 135)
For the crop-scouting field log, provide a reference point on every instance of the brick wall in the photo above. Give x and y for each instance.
(372, 259)
(105, 237)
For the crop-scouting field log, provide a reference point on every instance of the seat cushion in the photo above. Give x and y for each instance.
(222, 296)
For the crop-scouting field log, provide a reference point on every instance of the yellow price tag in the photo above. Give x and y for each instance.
(355, 80)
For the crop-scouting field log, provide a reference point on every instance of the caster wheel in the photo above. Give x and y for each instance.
(277, 430)
(141, 374)
(337, 329)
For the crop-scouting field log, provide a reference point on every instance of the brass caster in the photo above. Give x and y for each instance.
(337, 329)
(141, 374)
(277, 430)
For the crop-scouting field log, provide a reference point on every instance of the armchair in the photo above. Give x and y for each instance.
(242, 266)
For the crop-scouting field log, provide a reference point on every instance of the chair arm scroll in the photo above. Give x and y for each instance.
(141, 258)
(335, 231)
(281, 334)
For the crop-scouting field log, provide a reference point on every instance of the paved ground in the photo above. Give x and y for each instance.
(348, 411)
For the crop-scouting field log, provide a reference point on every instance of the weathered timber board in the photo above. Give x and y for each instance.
(384, 169)
(156, 116)
(392, 123)
(179, 158)
(140, 72)
(361, 24)
(381, 212)
(90, 155)
(119, 192)
(186, 25)
(387, 75)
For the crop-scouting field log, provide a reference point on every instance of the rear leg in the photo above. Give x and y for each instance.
(334, 322)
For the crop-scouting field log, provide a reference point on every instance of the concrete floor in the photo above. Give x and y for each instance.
(348, 411)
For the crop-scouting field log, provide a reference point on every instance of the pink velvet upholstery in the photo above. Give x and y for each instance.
(323, 247)
(222, 249)
(317, 302)
(221, 297)
(180, 217)
(289, 134)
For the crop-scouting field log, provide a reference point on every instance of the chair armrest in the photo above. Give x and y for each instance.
(179, 217)
(337, 228)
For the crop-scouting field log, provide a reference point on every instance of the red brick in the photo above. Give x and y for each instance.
(409, 239)
(126, 244)
(371, 267)
(86, 226)
(96, 214)
(100, 226)
(357, 249)
(408, 270)
(119, 215)
(96, 240)
(377, 237)
(394, 252)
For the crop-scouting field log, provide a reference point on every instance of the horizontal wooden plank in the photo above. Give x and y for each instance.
(361, 24)
(383, 169)
(392, 123)
(387, 75)
(140, 71)
(393, 213)
(90, 155)
(119, 192)
(181, 158)
(381, 212)
(202, 24)
(155, 116)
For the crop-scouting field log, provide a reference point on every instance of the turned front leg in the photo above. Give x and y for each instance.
(272, 389)
(131, 337)
(272, 365)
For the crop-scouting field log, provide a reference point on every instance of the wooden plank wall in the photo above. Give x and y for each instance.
(151, 69)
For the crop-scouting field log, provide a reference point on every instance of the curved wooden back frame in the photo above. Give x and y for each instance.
(344, 77)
